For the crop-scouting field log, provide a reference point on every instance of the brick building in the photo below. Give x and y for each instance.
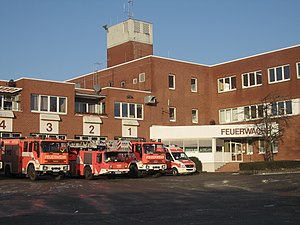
(206, 109)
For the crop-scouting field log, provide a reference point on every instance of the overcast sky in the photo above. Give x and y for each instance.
(61, 39)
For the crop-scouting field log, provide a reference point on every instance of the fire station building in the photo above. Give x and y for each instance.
(209, 110)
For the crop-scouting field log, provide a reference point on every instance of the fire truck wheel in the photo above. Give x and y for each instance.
(133, 171)
(31, 172)
(174, 172)
(88, 173)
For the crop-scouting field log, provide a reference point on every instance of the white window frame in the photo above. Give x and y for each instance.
(275, 74)
(142, 77)
(134, 81)
(298, 69)
(195, 89)
(256, 74)
(39, 97)
(195, 119)
(225, 88)
(172, 119)
(174, 81)
(127, 106)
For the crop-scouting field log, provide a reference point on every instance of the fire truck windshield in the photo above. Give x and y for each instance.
(114, 157)
(153, 148)
(54, 147)
(180, 156)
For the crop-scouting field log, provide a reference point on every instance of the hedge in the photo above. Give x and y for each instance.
(270, 165)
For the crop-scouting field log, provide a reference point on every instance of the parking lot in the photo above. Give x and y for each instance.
(207, 198)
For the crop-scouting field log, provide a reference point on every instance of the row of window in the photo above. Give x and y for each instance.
(253, 79)
(289, 107)
(126, 110)
(44, 103)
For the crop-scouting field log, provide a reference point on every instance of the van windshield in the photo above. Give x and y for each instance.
(153, 148)
(54, 147)
(180, 156)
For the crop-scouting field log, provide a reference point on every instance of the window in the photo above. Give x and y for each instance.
(281, 108)
(171, 81)
(142, 77)
(194, 85)
(128, 110)
(194, 115)
(134, 81)
(228, 115)
(172, 114)
(227, 84)
(298, 69)
(122, 84)
(278, 74)
(252, 79)
(44, 103)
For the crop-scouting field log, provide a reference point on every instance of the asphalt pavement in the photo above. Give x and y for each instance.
(206, 198)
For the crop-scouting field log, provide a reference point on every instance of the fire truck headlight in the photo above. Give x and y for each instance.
(182, 165)
(147, 167)
(110, 166)
(45, 168)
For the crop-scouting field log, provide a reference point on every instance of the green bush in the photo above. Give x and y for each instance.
(198, 163)
(273, 165)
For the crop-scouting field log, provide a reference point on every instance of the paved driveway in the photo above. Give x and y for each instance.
(210, 198)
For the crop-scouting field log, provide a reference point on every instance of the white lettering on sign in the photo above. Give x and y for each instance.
(155, 157)
(239, 131)
(55, 156)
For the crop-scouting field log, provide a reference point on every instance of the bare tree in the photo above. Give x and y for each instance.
(272, 122)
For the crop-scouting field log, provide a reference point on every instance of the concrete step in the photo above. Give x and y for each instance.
(229, 167)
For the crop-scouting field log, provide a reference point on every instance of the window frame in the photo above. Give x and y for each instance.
(195, 89)
(142, 77)
(124, 110)
(46, 107)
(248, 74)
(298, 69)
(173, 118)
(174, 81)
(231, 87)
(276, 74)
(196, 120)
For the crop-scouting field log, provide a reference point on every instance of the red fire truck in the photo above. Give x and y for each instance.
(178, 162)
(90, 159)
(34, 157)
(146, 157)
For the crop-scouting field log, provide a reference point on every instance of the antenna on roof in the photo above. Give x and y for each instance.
(129, 5)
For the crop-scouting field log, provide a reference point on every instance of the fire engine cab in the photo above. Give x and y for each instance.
(146, 157)
(178, 162)
(34, 157)
(90, 159)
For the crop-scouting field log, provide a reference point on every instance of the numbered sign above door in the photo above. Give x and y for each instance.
(130, 128)
(49, 124)
(91, 125)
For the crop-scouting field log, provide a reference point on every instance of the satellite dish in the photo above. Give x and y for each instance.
(97, 88)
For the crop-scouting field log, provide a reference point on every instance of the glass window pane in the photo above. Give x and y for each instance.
(132, 110)
(222, 116)
(194, 84)
(171, 81)
(125, 110)
(253, 112)
(53, 104)
(34, 102)
(228, 115)
(221, 84)
(245, 80)
(260, 111)
(62, 105)
(227, 84)
(246, 113)
(117, 109)
(288, 106)
(44, 103)
(139, 111)
(272, 75)
(92, 108)
(274, 109)
(278, 73)
(286, 72)
(233, 82)
(252, 79)
(298, 69)
(258, 77)
(281, 110)
(235, 114)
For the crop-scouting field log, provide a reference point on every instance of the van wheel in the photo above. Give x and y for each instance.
(31, 173)
(174, 172)
(88, 173)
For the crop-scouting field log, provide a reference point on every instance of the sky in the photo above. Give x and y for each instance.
(61, 39)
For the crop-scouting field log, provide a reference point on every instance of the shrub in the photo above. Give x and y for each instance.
(198, 163)
(271, 165)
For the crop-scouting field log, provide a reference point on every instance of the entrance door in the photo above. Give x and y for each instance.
(236, 150)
